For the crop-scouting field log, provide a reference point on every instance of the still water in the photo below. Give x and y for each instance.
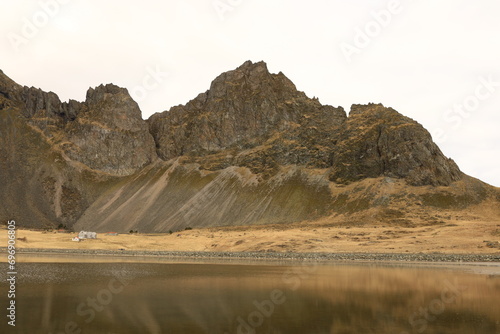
(286, 298)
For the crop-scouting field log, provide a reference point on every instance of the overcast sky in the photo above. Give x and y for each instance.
(436, 61)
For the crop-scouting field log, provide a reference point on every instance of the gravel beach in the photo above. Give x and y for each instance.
(432, 257)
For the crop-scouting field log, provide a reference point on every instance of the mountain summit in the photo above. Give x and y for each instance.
(252, 149)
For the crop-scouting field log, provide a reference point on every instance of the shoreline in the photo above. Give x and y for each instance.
(398, 257)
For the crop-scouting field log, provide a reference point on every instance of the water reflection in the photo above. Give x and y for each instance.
(226, 298)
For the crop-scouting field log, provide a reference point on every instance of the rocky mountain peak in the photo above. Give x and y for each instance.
(252, 118)
(361, 109)
(379, 141)
(105, 133)
(251, 78)
(7, 85)
(249, 65)
(242, 109)
(9, 91)
(113, 106)
(107, 92)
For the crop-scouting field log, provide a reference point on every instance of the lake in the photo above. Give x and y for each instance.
(255, 297)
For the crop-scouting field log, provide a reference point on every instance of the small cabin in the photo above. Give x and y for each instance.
(87, 235)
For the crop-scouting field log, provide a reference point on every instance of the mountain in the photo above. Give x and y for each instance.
(252, 149)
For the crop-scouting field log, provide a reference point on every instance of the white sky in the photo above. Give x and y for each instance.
(429, 59)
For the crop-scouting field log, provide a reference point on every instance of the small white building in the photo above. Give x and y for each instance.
(76, 239)
(87, 235)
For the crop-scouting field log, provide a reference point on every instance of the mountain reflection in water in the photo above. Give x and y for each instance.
(227, 298)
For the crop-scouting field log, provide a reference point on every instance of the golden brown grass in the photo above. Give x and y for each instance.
(452, 236)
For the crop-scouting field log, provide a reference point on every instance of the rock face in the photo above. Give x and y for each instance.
(255, 119)
(250, 150)
(249, 118)
(105, 133)
(110, 134)
(378, 141)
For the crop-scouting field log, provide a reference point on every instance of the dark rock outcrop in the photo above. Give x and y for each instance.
(249, 117)
(105, 133)
(252, 118)
(110, 135)
(378, 141)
